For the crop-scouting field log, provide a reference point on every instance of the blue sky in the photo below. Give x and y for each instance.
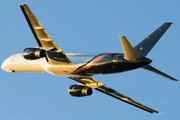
(91, 27)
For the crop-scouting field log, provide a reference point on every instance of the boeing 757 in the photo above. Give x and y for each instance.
(49, 58)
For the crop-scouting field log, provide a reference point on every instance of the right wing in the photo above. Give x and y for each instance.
(92, 83)
(54, 54)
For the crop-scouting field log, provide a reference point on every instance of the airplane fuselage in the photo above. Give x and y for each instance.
(83, 64)
(49, 58)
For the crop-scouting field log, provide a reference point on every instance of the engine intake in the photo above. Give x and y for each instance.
(79, 90)
(33, 53)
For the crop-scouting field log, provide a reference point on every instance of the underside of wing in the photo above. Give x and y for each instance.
(54, 54)
(92, 83)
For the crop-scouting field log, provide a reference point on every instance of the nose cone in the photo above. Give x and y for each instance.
(6, 66)
(3, 66)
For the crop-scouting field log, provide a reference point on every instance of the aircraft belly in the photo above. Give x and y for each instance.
(113, 67)
(105, 68)
(61, 70)
(24, 67)
(97, 69)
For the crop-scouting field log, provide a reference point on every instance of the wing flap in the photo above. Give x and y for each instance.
(92, 83)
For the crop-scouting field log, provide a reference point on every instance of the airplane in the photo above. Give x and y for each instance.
(49, 58)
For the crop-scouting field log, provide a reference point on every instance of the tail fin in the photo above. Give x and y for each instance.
(148, 43)
(129, 51)
(152, 69)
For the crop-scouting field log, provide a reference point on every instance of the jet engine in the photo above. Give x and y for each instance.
(79, 91)
(33, 53)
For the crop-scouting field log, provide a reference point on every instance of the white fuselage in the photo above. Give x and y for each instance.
(17, 63)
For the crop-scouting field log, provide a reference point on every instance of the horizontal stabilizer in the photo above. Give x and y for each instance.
(129, 51)
(154, 70)
(144, 47)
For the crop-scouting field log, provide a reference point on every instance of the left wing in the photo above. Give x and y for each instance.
(42, 37)
(92, 83)
(54, 54)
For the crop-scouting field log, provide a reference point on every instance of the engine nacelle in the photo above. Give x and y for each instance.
(79, 90)
(33, 53)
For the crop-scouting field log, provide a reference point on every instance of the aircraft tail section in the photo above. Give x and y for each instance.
(144, 47)
(154, 70)
(129, 52)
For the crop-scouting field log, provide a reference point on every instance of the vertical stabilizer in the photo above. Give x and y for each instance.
(129, 51)
(144, 47)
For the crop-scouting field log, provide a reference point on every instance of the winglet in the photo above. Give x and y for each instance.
(129, 51)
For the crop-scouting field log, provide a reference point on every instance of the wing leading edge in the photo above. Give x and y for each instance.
(54, 54)
(92, 83)
(42, 37)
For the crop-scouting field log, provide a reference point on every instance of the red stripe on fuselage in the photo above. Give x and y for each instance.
(101, 57)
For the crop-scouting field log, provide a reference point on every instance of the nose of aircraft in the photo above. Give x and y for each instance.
(6, 66)
(3, 66)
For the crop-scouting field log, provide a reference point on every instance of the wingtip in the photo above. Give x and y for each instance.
(175, 80)
(122, 36)
(168, 23)
(156, 112)
(23, 4)
(171, 78)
